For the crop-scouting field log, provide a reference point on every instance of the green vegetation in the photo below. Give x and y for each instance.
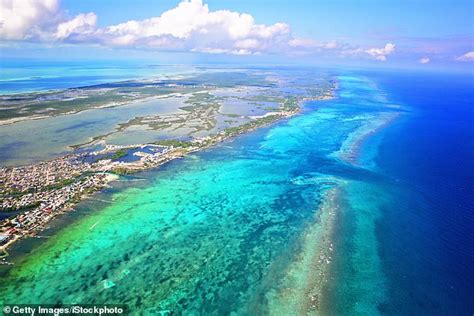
(62, 183)
(201, 97)
(201, 101)
(188, 108)
(119, 154)
(174, 143)
(78, 99)
(23, 208)
(113, 94)
(16, 193)
(231, 79)
(122, 171)
(58, 185)
(251, 125)
(290, 103)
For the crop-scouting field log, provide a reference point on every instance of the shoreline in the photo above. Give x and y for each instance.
(303, 286)
(67, 207)
(173, 153)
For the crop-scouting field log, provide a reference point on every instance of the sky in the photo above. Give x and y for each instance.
(401, 33)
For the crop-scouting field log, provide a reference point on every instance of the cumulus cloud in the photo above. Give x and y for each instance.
(26, 19)
(469, 56)
(41, 20)
(82, 24)
(190, 26)
(424, 60)
(381, 53)
(336, 48)
(376, 53)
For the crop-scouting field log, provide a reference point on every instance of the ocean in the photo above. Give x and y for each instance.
(426, 233)
(24, 76)
(360, 205)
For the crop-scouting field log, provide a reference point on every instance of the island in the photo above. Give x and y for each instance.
(195, 113)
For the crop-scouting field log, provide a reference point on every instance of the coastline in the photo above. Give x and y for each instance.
(108, 178)
(173, 153)
(312, 270)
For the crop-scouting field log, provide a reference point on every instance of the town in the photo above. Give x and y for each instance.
(34, 194)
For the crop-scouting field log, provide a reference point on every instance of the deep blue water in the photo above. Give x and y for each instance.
(426, 233)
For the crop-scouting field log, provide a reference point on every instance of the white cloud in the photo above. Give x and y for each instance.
(41, 20)
(424, 60)
(381, 53)
(469, 56)
(190, 26)
(26, 19)
(82, 24)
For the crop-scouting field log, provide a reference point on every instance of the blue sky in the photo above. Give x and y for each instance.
(414, 33)
(325, 19)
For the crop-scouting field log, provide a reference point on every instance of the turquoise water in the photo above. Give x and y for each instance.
(18, 76)
(361, 205)
(218, 231)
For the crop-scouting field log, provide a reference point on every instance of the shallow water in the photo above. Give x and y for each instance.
(35, 140)
(19, 76)
(229, 229)
(210, 233)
